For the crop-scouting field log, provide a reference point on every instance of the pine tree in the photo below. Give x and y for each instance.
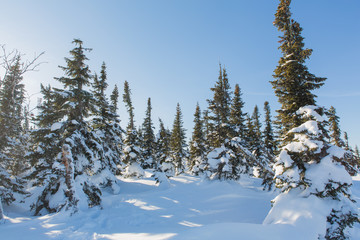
(77, 158)
(293, 82)
(197, 160)
(106, 123)
(163, 150)
(269, 149)
(256, 144)
(148, 138)
(335, 132)
(114, 99)
(177, 142)
(268, 133)
(13, 136)
(219, 109)
(132, 157)
(237, 117)
(306, 155)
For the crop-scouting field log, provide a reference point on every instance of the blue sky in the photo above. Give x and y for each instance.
(170, 50)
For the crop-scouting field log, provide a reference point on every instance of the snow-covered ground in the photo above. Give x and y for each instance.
(188, 208)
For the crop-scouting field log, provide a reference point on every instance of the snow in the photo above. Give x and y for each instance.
(56, 126)
(309, 111)
(187, 208)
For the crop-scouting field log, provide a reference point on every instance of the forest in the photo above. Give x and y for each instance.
(74, 150)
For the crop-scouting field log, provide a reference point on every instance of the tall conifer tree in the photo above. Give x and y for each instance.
(306, 154)
(237, 117)
(177, 142)
(197, 159)
(268, 133)
(148, 138)
(79, 149)
(132, 151)
(293, 83)
(107, 124)
(335, 132)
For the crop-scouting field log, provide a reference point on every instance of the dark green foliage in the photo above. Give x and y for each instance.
(129, 106)
(177, 142)
(268, 133)
(293, 83)
(13, 137)
(114, 97)
(197, 145)
(162, 144)
(346, 141)
(339, 220)
(63, 115)
(132, 152)
(219, 111)
(237, 117)
(335, 132)
(148, 138)
(106, 123)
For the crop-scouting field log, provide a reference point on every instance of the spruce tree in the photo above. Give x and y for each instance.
(197, 160)
(256, 144)
(164, 162)
(12, 135)
(268, 133)
(293, 83)
(69, 181)
(269, 148)
(219, 110)
(307, 159)
(177, 142)
(132, 157)
(106, 123)
(148, 138)
(335, 132)
(237, 117)
(114, 98)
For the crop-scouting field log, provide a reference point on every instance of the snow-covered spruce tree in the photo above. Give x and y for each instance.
(76, 175)
(114, 99)
(162, 153)
(257, 146)
(107, 126)
(45, 139)
(219, 111)
(132, 156)
(310, 166)
(335, 132)
(237, 116)
(351, 164)
(227, 157)
(197, 158)
(178, 151)
(307, 164)
(13, 138)
(148, 139)
(269, 148)
(219, 130)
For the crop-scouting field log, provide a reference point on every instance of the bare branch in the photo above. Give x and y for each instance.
(8, 60)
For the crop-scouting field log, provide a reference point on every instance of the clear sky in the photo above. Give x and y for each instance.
(170, 50)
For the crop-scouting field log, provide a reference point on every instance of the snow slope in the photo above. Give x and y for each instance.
(188, 208)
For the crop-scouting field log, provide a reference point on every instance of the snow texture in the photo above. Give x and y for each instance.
(189, 208)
